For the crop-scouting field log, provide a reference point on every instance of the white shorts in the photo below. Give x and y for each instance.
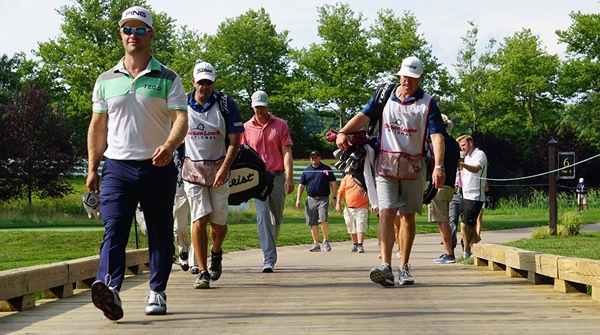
(356, 219)
(208, 200)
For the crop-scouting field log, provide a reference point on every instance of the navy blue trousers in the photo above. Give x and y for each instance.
(124, 184)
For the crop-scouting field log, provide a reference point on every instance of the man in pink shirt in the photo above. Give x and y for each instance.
(270, 137)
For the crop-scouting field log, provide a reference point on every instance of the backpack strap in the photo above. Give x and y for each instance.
(222, 100)
(381, 97)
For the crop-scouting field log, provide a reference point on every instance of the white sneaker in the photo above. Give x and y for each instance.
(404, 277)
(157, 303)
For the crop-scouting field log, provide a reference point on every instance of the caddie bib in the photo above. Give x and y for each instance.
(403, 131)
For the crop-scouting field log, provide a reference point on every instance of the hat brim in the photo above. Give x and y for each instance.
(409, 74)
(122, 22)
(204, 77)
(260, 104)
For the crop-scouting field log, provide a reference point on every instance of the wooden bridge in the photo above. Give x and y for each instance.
(330, 292)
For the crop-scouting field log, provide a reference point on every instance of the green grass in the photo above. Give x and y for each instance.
(58, 229)
(584, 245)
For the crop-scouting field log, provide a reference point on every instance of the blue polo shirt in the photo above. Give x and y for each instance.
(317, 180)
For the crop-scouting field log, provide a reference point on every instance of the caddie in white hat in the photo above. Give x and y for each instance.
(405, 118)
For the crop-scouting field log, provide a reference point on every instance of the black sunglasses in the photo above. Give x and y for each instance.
(138, 30)
(204, 82)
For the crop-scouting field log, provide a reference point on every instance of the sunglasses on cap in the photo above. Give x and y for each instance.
(138, 30)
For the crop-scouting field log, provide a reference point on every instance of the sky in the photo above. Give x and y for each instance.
(24, 23)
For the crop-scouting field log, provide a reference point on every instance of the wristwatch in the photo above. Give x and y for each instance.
(441, 167)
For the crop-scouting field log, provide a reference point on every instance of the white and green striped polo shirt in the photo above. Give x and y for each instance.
(138, 118)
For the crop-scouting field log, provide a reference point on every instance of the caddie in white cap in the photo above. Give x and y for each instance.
(406, 117)
(213, 119)
(411, 67)
(205, 71)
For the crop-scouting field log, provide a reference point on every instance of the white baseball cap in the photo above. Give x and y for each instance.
(136, 13)
(204, 70)
(581, 180)
(411, 67)
(260, 98)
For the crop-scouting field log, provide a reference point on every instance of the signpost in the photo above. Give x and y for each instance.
(566, 159)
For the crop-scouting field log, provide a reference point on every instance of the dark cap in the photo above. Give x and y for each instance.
(315, 153)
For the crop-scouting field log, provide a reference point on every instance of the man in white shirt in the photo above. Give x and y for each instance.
(473, 170)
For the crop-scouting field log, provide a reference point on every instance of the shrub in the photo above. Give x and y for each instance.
(571, 224)
(543, 232)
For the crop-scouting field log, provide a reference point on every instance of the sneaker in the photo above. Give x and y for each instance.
(107, 300)
(354, 248)
(183, 261)
(315, 248)
(382, 275)
(195, 270)
(203, 280)
(361, 250)
(267, 268)
(404, 277)
(157, 303)
(466, 254)
(216, 267)
(326, 245)
(398, 254)
(444, 259)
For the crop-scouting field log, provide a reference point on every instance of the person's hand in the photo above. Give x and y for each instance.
(438, 177)
(289, 186)
(342, 141)
(298, 204)
(221, 177)
(92, 182)
(162, 156)
(375, 210)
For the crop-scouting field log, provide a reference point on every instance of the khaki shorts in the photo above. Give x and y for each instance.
(439, 206)
(406, 195)
(356, 219)
(208, 200)
(582, 199)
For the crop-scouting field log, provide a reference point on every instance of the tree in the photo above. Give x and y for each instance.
(36, 152)
(580, 74)
(473, 72)
(579, 77)
(521, 96)
(89, 44)
(249, 55)
(338, 73)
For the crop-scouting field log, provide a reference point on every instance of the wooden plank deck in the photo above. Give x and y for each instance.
(330, 292)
